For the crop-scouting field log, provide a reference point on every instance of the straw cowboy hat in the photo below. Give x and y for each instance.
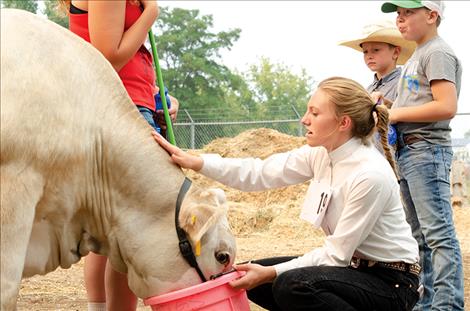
(387, 32)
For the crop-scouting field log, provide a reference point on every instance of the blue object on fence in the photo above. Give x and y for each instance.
(158, 100)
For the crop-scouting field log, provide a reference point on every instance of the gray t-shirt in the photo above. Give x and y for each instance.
(433, 60)
(387, 85)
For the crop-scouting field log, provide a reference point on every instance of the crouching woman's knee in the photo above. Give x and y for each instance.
(289, 289)
(282, 288)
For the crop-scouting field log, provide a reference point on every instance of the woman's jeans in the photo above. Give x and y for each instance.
(336, 289)
(424, 171)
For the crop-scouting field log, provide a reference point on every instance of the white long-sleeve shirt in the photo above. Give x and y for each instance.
(364, 218)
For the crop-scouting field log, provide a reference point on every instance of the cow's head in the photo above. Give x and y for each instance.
(151, 254)
(204, 218)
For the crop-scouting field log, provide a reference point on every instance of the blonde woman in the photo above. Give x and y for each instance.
(369, 258)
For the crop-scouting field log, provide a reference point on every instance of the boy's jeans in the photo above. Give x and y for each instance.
(424, 172)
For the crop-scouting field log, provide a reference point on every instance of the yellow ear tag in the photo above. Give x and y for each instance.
(198, 248)
(193, 220)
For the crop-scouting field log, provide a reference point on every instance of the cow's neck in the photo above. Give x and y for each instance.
(129, 174)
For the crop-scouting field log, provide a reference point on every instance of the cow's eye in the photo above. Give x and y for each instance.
(222, 257)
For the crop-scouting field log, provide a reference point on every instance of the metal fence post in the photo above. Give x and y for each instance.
(192, 130)
(300, 128)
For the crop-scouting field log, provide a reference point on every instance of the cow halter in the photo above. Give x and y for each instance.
(185, 247)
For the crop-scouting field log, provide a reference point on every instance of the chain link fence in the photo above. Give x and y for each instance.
(196, 135)
(196, 128)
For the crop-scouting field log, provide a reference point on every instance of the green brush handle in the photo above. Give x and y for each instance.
(161, 86)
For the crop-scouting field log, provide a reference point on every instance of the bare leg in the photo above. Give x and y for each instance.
(95, 266)
(118, 295)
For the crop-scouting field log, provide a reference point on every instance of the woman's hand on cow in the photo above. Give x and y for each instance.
(178, 156)
(255, 275)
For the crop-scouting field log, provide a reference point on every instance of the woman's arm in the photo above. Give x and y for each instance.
(106, 25)
(248, 174)
(254, 174)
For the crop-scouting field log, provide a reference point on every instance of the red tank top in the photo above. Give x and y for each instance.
(137, 75)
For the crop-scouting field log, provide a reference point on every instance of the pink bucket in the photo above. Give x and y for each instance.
(213, 295)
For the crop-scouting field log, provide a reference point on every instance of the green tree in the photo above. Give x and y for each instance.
(190, 58)
(54, 13)
(28, 5)
(276, 88)
(240, 102)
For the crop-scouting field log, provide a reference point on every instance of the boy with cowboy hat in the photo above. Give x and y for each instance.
(384, 48)
(427, 100)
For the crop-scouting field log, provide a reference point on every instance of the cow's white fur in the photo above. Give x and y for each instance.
(80, 170)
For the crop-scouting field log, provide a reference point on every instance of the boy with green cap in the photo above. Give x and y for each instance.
(427, 100)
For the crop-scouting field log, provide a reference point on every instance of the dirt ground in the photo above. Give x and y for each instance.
(265, 224)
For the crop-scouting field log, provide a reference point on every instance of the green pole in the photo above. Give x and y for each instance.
(161, 86)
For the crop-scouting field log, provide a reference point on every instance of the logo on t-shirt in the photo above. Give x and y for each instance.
(411, 83)
(410, 79)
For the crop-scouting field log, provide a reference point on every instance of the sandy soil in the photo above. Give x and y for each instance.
(265, 224)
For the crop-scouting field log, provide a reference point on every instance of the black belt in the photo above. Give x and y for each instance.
(408, 139)
(399, 266)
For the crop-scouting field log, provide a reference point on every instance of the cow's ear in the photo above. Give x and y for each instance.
(199, 212)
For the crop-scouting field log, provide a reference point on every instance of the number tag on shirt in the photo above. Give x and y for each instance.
(316, 202)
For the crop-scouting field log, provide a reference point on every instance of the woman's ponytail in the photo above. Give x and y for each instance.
(382, 128)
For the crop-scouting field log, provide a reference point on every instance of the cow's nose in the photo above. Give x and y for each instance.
(222, 257)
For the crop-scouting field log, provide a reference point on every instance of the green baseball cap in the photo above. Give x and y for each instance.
(433, 5)
(391, 6)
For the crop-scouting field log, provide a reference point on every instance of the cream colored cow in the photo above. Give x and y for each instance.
(80, 171)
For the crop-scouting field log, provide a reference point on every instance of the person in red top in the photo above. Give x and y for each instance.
(118, 29)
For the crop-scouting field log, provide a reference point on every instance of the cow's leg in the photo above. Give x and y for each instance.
(21, 189)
